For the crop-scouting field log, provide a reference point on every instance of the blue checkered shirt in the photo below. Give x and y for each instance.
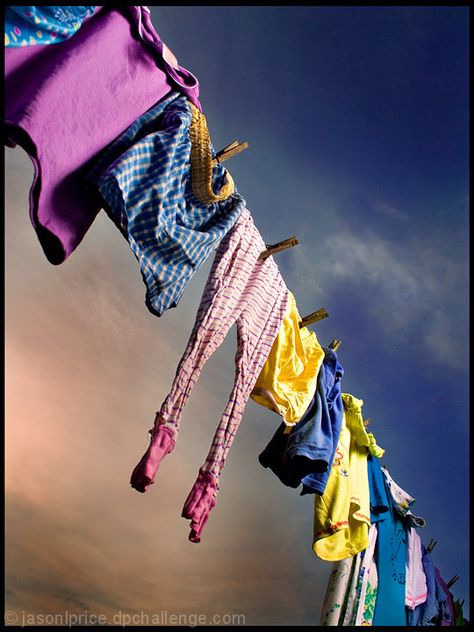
(144, 180)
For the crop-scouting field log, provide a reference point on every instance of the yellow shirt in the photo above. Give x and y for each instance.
(287, 382)
(342, 513)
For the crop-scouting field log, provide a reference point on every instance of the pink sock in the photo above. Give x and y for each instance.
(200, 502)
(162, 443)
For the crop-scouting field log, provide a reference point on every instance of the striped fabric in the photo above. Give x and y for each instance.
(242, 290)
(144, 180)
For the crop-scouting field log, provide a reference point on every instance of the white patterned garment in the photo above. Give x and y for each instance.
(368, 583)
(352, 596)
(403, 501)
(332, 611)
(352, 588)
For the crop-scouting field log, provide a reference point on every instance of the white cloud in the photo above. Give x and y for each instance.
(410, 288)
(388, 210)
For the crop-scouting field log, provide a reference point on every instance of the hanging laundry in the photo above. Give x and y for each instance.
(390, 551)
(65, 103)
(252, 294)
(288, 379)
(445, 601)
(361, 601)
(414, 521)
(327, 438)
(342, 513)
(438, 609)
(367, 587)
(415, 579)
(352, 589)
(32, 25)
(415, 589)
(335, 599)
(402, 501)
(357, 598)
(144, 179)
(311, 444)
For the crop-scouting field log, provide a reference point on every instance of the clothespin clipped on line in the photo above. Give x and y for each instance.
(335, 344)
(431, 545)
(452, 581)
(313, 317)
(281, 245)
(229, 150)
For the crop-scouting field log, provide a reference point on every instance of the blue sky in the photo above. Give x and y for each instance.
(357, 123)
(357, 119)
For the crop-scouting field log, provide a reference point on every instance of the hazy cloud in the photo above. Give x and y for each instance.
(389, 211)
(404, 288)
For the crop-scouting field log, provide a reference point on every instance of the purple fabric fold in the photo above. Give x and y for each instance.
(65, 103)
(162, 443)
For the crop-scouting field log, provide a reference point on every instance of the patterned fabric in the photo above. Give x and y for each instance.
(352, 597)
(334, 603)
(352, 589)
(402, 501)
(342, 514)
(31, 25)
(144, 178)
(367, 585)
(253, 295)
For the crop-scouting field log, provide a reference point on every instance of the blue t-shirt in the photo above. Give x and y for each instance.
(390, 550)
(305, 455)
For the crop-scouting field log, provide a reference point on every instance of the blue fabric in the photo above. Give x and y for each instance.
(390, 550)
(379, 500)
(144, 180)
(32, 25)
(307, 452)
(437, 610)
(324, 435)
(426, 613)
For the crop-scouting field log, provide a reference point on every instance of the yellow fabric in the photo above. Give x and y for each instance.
(287, 382)
(342, 513)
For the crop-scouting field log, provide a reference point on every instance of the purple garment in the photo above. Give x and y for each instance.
(445, 601)
(65, 103)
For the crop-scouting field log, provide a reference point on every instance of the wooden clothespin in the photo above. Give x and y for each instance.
(335, 344)
(281, 245)
(452, 581)
(313, 317)
(431, 545)
(229, 150)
